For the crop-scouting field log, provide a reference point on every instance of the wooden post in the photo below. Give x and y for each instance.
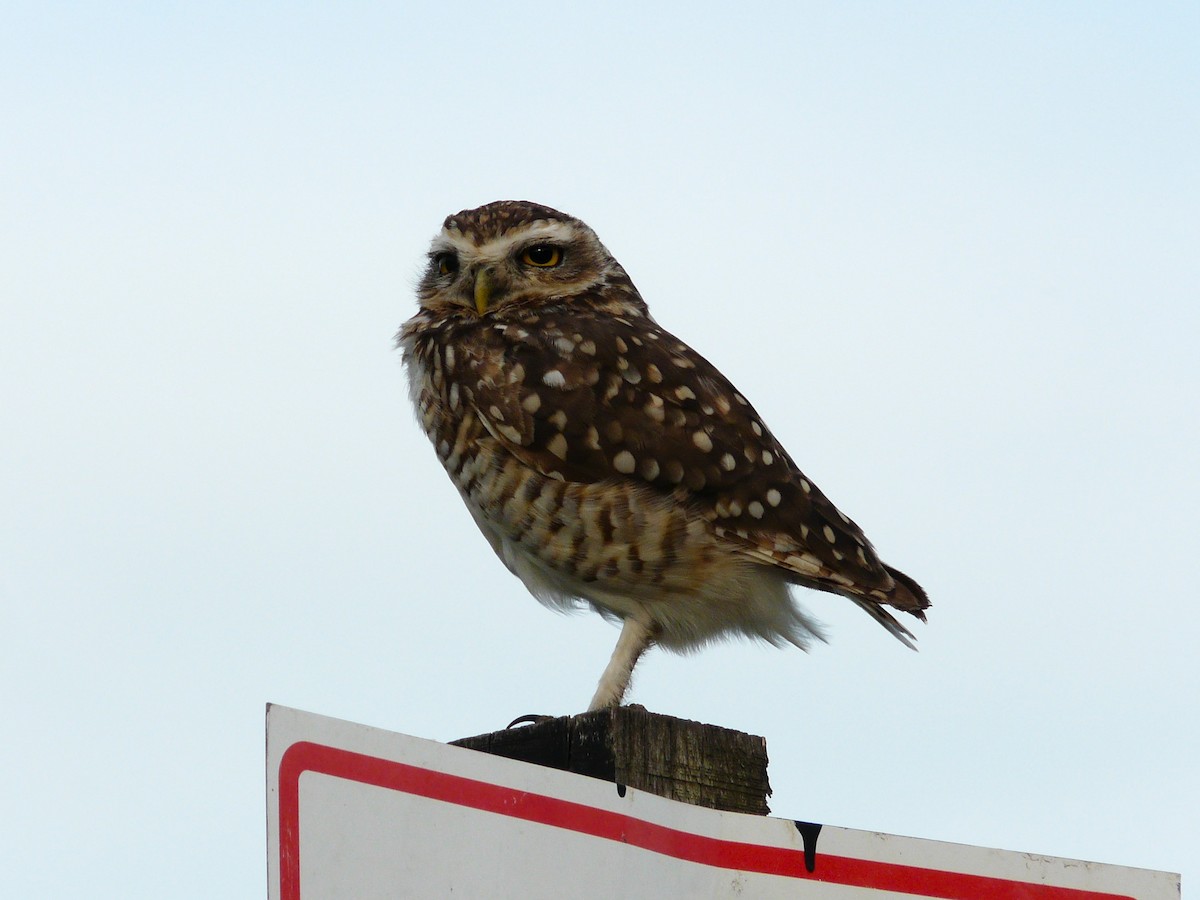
(704, 765)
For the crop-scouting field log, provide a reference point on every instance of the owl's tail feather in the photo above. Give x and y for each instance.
(907, 596)
(875, 610)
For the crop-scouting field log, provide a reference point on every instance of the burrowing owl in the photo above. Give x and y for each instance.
(606, 461)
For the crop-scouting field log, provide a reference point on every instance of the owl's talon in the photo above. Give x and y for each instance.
(528, 719)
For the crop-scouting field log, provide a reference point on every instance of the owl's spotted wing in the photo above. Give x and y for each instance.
(592, 398)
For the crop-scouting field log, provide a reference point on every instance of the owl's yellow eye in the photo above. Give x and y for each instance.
(544, 256)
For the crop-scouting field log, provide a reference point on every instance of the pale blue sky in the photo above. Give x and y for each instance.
(948, 251)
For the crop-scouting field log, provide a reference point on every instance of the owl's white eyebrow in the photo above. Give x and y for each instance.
(499, 247)
(443, 244)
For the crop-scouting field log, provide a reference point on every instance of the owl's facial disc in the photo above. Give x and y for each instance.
(543, 261)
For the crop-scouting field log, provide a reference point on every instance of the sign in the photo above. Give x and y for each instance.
(359, 812)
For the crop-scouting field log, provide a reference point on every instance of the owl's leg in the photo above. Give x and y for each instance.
(636, 637)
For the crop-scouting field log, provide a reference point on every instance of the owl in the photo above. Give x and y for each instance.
(609, 464)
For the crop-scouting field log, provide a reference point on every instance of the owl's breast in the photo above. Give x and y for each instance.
(433, 357)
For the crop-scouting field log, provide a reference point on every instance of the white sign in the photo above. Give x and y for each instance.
(356, 812)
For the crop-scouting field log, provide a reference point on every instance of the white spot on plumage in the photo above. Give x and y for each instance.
(728, 462)
(654, 408)
(683, 392)
(774, 497)
(554, 378)
(804, 562)
(558, 446)
(702, 441)
(768, 457)
(624, 462)
(829, 535)
(755, 509)
(532, 403)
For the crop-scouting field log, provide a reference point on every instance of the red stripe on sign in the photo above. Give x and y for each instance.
(305, 756)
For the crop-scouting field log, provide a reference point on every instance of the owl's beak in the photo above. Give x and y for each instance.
(483, 290)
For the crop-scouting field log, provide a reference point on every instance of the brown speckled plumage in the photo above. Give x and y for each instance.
(608, 462)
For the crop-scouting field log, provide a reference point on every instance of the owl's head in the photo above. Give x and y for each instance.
(515, 255)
